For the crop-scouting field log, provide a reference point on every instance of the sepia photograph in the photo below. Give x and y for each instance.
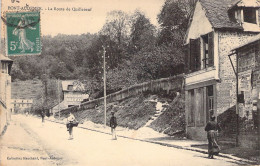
(129, 82)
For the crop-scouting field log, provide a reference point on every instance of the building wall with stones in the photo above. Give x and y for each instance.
(5, 92)
(226, 88)
(249, 77)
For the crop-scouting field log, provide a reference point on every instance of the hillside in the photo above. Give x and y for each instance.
(29, 89)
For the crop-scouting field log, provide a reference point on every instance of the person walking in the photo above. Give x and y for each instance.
(212, 129)
(113, 124)
(70, 125)
(42, 115)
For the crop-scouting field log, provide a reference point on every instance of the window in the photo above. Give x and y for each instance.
(70, 87)
(201, 52)
(210, 99)
(205, 59)
(208, 50)
(3, 67)
(249, 15)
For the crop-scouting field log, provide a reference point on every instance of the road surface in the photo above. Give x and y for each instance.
(28, 142)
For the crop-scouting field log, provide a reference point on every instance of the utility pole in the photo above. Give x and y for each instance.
(237, 109)
(59, 95)
(105, 94)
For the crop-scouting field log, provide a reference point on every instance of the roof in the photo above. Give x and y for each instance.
(248, 3)
(60, 106)
(77, 85)
(253, 39)
(4, 58)
(217, 13)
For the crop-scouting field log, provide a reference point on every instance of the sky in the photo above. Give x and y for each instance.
(60, 21)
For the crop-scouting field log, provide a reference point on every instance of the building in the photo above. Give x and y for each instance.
(249, 76)
(5, 91)
(21, 105)
(73, 94)
(248, 68)
(215, 29)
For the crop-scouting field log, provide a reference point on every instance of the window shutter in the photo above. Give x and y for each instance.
(187, 58)
(192, 54)
(211, 49)
(197, 55)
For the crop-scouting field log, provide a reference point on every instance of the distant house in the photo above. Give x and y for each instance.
(5, 90)
(215, 29)
(74, 93)
(20, 105)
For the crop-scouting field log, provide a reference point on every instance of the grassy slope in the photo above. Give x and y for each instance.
(133, 112)
(26, 89)
(173, 119)
(136, 111)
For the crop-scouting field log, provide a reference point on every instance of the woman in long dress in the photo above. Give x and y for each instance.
(212, 129)
(20, 30)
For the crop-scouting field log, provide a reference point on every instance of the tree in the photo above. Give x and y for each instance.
(142, 32)
(117, 26)
(162, 61)
(174, 19)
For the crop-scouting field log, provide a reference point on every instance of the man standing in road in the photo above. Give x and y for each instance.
(113, 125)
(70, 125)
(42, 115)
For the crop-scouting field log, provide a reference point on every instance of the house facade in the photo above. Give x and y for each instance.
(73, 94)
(21, 105)
(215, 29)
(249, 79)
(5, 91)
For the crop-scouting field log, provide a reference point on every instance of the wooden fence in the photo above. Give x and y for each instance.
(165, 84)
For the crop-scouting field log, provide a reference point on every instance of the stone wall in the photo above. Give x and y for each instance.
(226, 88)
(164, 84)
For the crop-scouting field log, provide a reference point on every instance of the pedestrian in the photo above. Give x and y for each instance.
(212, 129)
(113, 124)
(70, 125)
(42, 115)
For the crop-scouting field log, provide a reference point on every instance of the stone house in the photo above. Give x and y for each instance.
(215, 29)
(5, 91)
(248, 68)
(21, 105)
(73, 94)
(249, 76)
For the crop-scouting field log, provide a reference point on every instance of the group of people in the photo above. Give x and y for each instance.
(212, 128)
(71, 122)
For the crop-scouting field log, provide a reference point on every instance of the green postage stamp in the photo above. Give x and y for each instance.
(23, 33)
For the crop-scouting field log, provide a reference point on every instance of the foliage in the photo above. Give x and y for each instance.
(174, 19)
(142, 32)
(134, 51)
(160, 62)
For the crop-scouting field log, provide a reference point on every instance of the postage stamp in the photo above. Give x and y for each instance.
(23, 33)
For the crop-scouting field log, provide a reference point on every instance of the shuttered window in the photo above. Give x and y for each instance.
(195, 60)
(211, 49)
(208, 50)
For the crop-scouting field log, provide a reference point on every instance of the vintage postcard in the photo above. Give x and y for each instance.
(129, 82)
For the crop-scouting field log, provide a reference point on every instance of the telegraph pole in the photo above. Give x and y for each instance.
(59, 95)
(105, 94)
(237, 109)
